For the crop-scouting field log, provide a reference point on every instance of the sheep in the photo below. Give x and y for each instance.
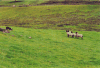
(70, 33)
(78, 35)
(1, 29)
(4, 30)
(8, 28)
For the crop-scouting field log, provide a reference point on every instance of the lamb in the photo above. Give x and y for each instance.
(78, 35)
(70, 33)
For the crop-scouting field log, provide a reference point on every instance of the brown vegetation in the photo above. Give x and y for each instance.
(71, 2)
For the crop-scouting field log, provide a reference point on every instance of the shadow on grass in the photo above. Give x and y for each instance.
(15, 1)
(1, 5)
(91, 62)
(74, 37)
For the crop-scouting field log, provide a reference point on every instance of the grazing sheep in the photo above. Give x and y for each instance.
(4, 30)
(78, 35)
(70, 33)
(1, 29)
(8, 28)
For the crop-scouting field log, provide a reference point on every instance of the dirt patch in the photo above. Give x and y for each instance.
(61, 25)
(71, 2)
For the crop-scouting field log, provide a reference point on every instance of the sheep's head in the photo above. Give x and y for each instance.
(67, 30)
(8, 28)
(71, 32)
(76, 32)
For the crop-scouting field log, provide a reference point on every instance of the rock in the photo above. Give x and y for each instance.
(14, 6)
(30, 37)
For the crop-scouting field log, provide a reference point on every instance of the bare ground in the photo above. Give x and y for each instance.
(71, 2)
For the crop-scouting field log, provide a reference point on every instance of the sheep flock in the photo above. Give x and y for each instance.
(76, 35)
(69, 33)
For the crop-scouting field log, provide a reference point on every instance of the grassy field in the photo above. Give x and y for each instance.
(49, 46)
(73, 17)
(48, 49)
(20, 2)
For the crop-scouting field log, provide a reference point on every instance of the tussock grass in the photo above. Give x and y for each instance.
(52, 17)
(48, 48)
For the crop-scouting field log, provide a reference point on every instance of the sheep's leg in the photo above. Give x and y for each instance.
(82, 38)
(68, 35)
(72, 36)
(3, 31)
(76, 36)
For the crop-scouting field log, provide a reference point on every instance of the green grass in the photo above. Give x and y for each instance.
(48, 49)
(49, 46)
(21, 2)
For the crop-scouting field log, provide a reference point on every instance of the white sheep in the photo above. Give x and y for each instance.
(78, 35)
(70, 33)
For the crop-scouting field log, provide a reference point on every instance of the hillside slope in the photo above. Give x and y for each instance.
(48, 48)
(48, 2)
(73, 17)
